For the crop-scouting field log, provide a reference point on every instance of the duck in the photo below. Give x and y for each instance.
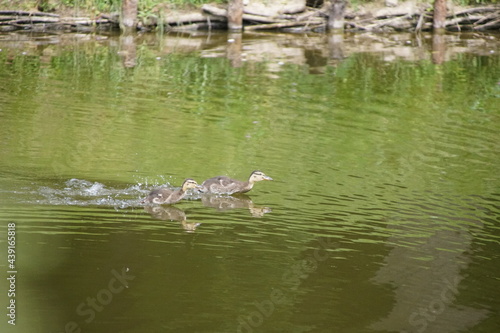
(226, 185)
(168, 196)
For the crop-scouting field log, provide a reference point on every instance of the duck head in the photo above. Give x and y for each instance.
(257, 176)
(190, 183)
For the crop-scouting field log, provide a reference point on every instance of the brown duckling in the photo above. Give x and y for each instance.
(226, 185)
(168, 196)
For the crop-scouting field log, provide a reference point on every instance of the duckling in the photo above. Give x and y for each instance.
(167, 196)
(226, 185)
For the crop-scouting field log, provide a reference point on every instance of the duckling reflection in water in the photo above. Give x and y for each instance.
(166, 196)
(223, 203)
(226, 185)
(173, 214)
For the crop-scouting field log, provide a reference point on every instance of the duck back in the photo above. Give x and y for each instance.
(224, 185)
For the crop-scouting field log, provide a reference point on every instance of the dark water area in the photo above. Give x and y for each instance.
(383, 215)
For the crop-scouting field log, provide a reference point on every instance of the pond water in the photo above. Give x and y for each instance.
(383, 215)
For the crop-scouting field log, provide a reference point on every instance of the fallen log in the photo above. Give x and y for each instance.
(8, 18)
(214, 10)
(181, 19)
(197, 26)
(30, 20)
(311, 13)
(262, 19)
(25, 13)
(273, 26)
(220, 12)
(74, 21)
(381, 23)
(37, 27)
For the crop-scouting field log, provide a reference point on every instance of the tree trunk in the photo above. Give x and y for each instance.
(128, 21)
(235, 15)
(336, 15)
(439, 20)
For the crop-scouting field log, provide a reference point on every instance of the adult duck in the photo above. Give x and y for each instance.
(168, 196)
(226, 185)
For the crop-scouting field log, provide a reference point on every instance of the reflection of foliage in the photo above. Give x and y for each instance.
(230, 118)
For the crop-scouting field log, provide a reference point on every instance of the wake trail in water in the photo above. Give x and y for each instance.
(79, 192)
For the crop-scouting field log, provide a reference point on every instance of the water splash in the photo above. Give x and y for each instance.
(80, 192)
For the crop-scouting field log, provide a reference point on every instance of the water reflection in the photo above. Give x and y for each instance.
(224, 203)
(171, 213)
(316, 50)
(234, 49)
(128, 50)
(336, 46)
(221, 203)
(438, 48)
(426, 268)
(368, 227)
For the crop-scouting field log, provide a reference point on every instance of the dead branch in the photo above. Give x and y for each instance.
(214, 10)
(382, 23)
(355, 25)
(262, 19)
(202, 26)
(24, 13)
(474, 11)
(220, 12)
(182, 19)
(469, 19)
(74, 21)
(420, 22)
(273, 26)
(491, 24)
(31, 20)
(488, 17)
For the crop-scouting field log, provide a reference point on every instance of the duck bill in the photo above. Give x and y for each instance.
(267, 178)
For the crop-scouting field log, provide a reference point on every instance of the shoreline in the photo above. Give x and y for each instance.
(406, 17)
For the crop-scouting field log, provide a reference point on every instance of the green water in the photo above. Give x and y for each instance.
(383, 215)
